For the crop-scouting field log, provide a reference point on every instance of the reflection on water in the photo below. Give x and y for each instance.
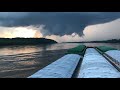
(22, 61)
(11, 50)
(27, 63)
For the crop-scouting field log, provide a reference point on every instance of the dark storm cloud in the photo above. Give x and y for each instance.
(58, 23)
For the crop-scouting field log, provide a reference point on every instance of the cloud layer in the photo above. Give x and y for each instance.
(61, 26)
(57, 23)
(106, 31)
(110, 30)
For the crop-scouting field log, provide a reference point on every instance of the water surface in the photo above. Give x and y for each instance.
(22, 61)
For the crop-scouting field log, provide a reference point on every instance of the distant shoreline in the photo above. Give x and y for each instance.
(106, 41)
(25, 41)
(91, 42)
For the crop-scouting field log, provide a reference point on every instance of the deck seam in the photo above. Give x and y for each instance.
(77, 69)
(111, 60)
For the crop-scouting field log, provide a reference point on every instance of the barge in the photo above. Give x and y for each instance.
(84, 62)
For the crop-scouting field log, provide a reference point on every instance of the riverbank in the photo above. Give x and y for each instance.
(25, 41)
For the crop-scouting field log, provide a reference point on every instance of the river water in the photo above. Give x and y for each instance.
(22, 61)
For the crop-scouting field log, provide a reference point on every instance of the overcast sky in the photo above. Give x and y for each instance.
(60, 24)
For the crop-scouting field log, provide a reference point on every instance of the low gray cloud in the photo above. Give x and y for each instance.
(97, 32)
(57, 23)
